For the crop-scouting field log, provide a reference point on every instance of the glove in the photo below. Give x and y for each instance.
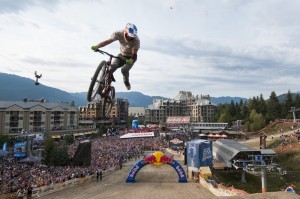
(129, 61)
(94, 48)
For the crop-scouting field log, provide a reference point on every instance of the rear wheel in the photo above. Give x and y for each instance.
(108, 103)
(96, 85)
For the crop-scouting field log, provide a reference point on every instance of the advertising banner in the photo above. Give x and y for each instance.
(137, 135)
(205, 154)
(176, 144)
(20, 149)
(199, 154)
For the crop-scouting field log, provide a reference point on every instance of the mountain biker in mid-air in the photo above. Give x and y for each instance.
(129, 45)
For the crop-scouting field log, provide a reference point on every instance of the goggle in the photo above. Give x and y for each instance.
(131, 30)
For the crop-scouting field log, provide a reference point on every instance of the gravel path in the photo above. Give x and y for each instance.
(151, 182)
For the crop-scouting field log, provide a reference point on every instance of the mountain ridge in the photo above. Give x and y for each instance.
(17, 88)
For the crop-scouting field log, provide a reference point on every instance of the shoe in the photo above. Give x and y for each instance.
(127, 84)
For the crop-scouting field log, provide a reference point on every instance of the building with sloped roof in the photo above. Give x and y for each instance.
(92, 114)
(36, 116)
(198, 108)
(237, 155)
(136, 111)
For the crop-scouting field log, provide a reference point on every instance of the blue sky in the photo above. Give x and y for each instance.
(221, 48)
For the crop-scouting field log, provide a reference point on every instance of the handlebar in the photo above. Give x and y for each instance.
(110, 55)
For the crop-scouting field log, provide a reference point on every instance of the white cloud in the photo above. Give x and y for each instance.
(224, 48)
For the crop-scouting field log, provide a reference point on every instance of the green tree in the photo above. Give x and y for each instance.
(55, 155)
(273, 108)
(262, 106)
(256, 121)
(101, 129)
(225, 115)
(244, 111)
(232, 110)
(257, 112)
(49, 147)
(60, 156)
(69, 139)
(218, 111)
(288, 103)
(238, 110)
(253, 104)
(3, 138)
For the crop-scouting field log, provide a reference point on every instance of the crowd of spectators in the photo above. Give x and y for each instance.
(181, 135)
(290, 138)
(106, 153)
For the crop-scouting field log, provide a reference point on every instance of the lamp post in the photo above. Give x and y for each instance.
(237, 128)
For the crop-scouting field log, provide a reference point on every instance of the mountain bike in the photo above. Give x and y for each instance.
(101, 84)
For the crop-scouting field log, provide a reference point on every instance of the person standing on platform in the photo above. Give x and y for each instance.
(29, 192)
(97, 175)
(100, 174)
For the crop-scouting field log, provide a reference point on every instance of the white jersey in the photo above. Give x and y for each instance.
(126, 47)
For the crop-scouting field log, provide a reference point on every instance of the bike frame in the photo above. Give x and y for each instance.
(107, 76)
(101, 84)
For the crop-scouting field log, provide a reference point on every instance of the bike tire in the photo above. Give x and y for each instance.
(95, 86)
(108, 103)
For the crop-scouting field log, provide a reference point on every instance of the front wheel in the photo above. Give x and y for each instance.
(108, 103)
(96, 85)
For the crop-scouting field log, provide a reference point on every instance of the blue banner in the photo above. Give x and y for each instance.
(199, 153)
(4, 147)
(205, 152)
(20, 147)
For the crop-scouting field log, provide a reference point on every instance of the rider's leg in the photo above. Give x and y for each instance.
(125, 71)
(115, 65)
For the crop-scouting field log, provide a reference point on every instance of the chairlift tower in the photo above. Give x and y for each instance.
(260, 163)
(294, 116)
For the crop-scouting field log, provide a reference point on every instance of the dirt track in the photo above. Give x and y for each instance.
(151, 182)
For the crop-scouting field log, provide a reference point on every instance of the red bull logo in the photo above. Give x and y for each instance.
(165, 159)
(151, 159)
(158, 158)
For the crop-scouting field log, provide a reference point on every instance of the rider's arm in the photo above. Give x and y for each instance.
(104, 43)
(134, 54)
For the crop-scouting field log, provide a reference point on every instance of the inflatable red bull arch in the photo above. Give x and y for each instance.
(158, 158)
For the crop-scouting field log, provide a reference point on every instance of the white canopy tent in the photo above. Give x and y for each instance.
(137, 135)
